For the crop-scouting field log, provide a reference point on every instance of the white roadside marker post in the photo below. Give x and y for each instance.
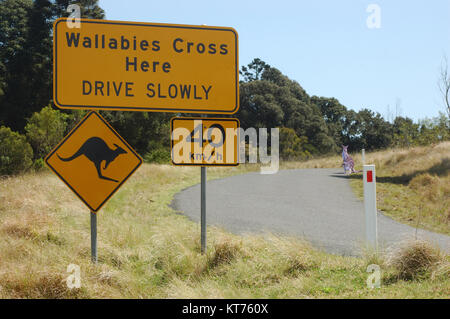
(363, 156)
(370, 204)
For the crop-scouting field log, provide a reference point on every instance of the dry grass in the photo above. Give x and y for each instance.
(320, 162)
(415, 259)
(147, 250)
(39, 285)
(413, 185)
(224, 252)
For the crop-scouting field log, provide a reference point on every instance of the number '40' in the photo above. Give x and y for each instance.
(199, 129)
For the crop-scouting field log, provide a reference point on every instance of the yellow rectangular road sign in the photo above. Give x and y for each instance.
(93, 161)
(204, 141)
(132, 66)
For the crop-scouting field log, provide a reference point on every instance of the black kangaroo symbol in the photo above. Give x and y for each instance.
(97, 151)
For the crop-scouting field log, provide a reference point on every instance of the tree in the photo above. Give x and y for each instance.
(334, 115)
(28, 62)
(373, 131)
(254, 70)
(145, 131)
(258, 105)
(351, 134)
(13, 33)
(434, 130)
(15, 60)
(444, 84)
(405, 131)
(270, 99)
(89, 8)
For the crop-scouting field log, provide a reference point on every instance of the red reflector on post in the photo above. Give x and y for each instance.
(369, 177)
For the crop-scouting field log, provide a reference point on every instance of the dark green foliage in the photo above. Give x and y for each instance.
(15, 153)
(73, 118)
(293, 147)
(406, 132)
(38, 164)
(143, 131)
(319, 124)
(27, 59)
(254, 70)
(270, 99)
(15, 60)
(89, 8)
(159, 155)
(433, 130)
(26, 55)
(335, 116)
(373, 131)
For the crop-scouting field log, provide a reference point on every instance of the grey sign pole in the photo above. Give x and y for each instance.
(94, 237)
(203, 209)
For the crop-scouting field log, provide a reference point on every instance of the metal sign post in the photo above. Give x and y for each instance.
(203, 209)
(92, 182)
(202, 199)
(219, 146)
(216, 145)
(94, 237)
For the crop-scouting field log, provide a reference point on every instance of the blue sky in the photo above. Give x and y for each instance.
(326, 46)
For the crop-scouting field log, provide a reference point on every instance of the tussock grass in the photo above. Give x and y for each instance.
(39, 285)
(18, 231)
(224, 252)
(148, 250)
(415, 259)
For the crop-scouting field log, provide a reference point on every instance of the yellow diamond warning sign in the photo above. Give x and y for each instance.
(116, 65)
(93, 161)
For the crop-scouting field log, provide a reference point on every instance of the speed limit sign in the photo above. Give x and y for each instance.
(205, 141)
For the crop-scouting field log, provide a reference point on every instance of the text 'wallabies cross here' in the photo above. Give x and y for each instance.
(97, 151)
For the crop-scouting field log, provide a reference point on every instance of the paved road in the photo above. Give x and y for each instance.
(315, 204)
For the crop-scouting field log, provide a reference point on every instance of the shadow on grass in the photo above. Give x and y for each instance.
(440, 169)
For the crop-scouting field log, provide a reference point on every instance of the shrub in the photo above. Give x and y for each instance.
(15, 153)
(38, 164)
(159, 155)
(45, 129)
(73, 118)
(292, 146)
